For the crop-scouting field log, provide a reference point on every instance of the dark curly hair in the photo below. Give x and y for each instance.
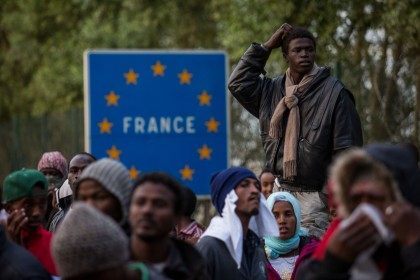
(297, 32)
(167, 181)
(189, 201)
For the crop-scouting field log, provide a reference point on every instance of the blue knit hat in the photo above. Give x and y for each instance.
(226, 180)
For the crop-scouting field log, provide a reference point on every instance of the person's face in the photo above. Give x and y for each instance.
(267, 184)
(76, 166)
(301, 55)
(248, 192)
(93, 193)
(286, 219)
(369, 191)
(35, 207)
(152, 211)
(54, 178)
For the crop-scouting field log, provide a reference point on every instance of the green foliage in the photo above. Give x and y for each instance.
(372, 45)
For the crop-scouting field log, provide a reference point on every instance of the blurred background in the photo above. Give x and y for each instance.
(372, 46)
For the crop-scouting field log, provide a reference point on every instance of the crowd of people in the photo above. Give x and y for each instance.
(322, 208)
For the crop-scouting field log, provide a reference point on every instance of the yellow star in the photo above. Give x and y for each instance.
(187, 173)
(205, 152)
(158, 69)
(134, 173)
(131, 77)
(114, 153)
(112, 99)
(105, 126)
(212, 125)
(204, 98)
(185, 77)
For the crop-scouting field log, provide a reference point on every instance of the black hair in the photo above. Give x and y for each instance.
(189, 202)
(295, 33)
(265, 170)
(167, 181)
(86, 154)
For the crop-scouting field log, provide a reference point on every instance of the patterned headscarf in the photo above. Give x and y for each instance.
(54, 160)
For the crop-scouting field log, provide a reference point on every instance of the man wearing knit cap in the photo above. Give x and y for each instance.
(231, 243)
(154, 209)
(90, 245)
(105, 184)
(25, 199)
(55, 168)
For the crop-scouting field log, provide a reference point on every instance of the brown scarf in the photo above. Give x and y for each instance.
(290, 101)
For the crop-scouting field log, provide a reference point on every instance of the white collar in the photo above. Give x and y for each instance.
(228, 228)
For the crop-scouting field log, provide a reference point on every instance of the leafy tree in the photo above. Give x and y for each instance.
(371, 45)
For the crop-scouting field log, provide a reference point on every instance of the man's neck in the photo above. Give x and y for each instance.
(297, 77)
(244, 221)
(155, 251)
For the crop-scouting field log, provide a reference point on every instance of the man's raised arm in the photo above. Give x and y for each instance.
(245, 82)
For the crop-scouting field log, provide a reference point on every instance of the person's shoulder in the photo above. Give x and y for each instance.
(20, 263)
(208, 245)
(336, 86)
(208, 241)
(185, 248)
(191, 257)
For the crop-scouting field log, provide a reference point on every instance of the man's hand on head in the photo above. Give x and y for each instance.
(276, 39)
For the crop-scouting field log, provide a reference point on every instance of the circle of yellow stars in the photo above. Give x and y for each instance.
(185, 78)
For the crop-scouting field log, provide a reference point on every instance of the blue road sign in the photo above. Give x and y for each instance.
(159, 111)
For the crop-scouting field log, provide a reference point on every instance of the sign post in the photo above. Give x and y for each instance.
(159, 111)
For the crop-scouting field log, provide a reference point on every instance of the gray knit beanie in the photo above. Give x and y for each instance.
(88, 241)
(114, 177)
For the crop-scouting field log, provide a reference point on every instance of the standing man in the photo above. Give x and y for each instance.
(105, 185)
(155, 207)
(65, 194)
(16, 263)
(231, 244)
(54, 166)
(306, 117)
(25, 199)
(77, 164)
(91, 245)
(187, 228)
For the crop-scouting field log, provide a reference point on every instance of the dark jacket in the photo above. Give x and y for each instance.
(397, 263)
(184, 262)
(329, 120)
(16, 263)
(221, 265)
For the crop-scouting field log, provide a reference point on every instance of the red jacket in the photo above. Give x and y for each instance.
(38, 242)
